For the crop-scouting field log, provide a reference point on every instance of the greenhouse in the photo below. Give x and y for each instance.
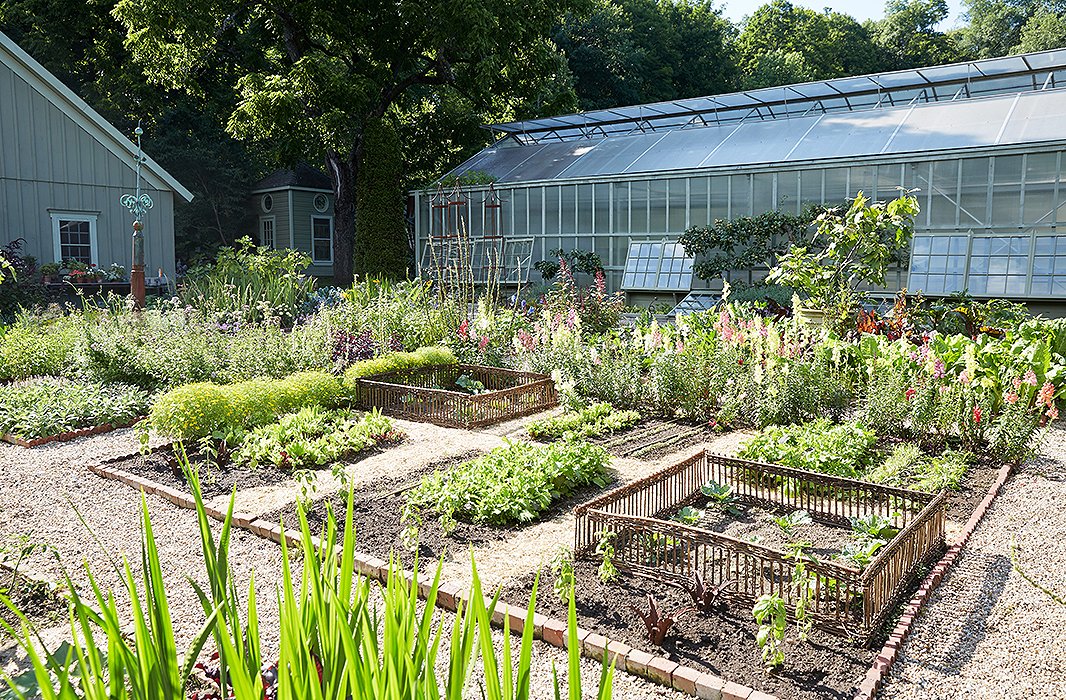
(981, 141)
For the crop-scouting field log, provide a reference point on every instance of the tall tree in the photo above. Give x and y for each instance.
(909, 37)
(995, 27)
(779, 41)
(333, 66)
(625, 52)
(1043, 31)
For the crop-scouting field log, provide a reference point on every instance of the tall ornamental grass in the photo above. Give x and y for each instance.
(336, 641)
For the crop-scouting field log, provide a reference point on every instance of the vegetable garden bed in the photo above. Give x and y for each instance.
(846, 600)
(430, 394)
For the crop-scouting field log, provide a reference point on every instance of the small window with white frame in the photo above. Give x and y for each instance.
(74, 236)
(266, 232)
(322, 239)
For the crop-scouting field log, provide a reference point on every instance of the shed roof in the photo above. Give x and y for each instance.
(52, 89)
(302, 175)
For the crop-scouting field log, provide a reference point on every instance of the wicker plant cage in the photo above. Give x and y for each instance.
(422, 394)
(846, 600)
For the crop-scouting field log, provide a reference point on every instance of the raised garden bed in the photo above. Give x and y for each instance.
(432, 395)
(846, 600)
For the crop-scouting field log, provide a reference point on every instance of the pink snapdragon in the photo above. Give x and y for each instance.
(938, 368)
(1030, 378)
(964, 378)
(1046, 395)
(1011, 397)
(1053, 412)
(483, 343)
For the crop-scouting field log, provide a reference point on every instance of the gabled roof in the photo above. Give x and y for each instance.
(64, 99)
(303, 176)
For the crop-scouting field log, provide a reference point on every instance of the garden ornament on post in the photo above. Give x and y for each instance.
(138, 204)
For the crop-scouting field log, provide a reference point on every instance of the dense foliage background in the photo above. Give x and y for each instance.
(229, 91)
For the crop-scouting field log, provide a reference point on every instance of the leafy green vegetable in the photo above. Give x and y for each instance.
(511, 484)
(821, 446)
(597, 419)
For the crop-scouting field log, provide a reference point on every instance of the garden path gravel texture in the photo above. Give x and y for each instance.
(987, 633)
(41, 488)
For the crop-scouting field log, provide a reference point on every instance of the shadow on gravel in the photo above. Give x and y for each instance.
(975, 625)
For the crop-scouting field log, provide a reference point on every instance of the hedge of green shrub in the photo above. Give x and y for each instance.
(423, 357)
(198, 410)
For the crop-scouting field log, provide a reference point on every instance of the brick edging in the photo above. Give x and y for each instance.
(882, 664)
(449, 596)
(69, 435)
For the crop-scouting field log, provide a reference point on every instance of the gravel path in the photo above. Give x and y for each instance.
(41, 489)
(987, 632)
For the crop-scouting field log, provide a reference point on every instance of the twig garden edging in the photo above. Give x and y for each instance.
(68, 436)
(882, 664)
(450, 596)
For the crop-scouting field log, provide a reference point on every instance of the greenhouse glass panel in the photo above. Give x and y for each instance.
(568, 210)
(657, 266)
(699, 201)
(938, 263)
(695, 302)
(585, 204)
(999, 264)
(788, 198)
(498, 162)
(973, 195)
(551, 211)
(520, 207)
(536, 211)
(657, 206)
(550, 160)
(621, 207)
(683, 148)
(638, 207)
(811, 186)
(760, 142)
(951, 125)
(517, 259)
(943, 193)
(719, 198)
(612, 156)
(762, 193)
(739, 196)
(678, 206)
(1007, 191)
(602, 198)
(838, 135)
(1041, 170)
(889, 180)
(836, 186)
(1036, 117)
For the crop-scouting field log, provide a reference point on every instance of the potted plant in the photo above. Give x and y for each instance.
(115, 273)
(49, 271)
(850, 248)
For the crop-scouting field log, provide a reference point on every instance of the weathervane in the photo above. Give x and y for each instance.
(138, 204)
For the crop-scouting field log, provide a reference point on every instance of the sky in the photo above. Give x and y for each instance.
(859, 9)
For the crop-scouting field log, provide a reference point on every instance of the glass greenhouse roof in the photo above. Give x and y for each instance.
(1002, 101)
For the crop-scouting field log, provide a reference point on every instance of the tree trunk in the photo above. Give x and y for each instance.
(342, 173)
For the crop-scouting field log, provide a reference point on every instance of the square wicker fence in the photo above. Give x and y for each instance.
(846, 600)
(418, 394)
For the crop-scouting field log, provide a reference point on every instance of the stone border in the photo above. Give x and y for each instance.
(449, 596)
(68, 436)
(882, 664)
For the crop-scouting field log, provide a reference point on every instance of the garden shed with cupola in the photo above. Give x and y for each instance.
(293, 208)
(980, 141)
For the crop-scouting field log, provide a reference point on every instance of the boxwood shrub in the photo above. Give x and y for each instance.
(423, 357)
(197, 410)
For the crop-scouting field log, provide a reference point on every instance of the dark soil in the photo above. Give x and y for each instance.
(37, 600)
(753, 524)
(162, 467)
(378, 507)
(975, 484)
(653, 438)
(722, 643)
